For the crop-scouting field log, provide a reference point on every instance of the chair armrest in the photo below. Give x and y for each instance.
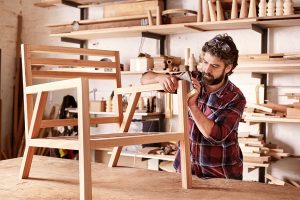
(52, 86)
(139, 88)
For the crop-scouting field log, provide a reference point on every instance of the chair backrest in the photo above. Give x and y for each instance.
(53, 62)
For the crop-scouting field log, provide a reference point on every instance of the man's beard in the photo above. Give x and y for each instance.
(210, 80)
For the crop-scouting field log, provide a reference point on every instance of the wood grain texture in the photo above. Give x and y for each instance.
(125, 183)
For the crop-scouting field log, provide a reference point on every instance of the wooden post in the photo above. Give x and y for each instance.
(271, 8)
(158, 15)
(150, 19)
(262, 8)
(85, 176)
(220, 14)
(206, 17)
(243, 11)
(279, 7)
(252, 8)
(184, 142)
(212, 11)
(234, 10)
(199, 12)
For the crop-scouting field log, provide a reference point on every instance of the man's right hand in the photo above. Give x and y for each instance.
(169, 83)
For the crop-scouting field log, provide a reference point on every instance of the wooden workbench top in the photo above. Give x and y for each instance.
(53, 178)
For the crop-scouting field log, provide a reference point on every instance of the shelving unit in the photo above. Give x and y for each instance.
(170, 29)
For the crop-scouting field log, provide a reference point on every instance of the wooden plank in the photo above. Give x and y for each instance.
(271, 120)
(72, 74)
(186, 173)
(52, 86)
(85, 175)
(54, 143)
(274, 180)
(259, 107)
(71, 50)
(72, 62)
(140, 88)
(74, 122)
(131, 8)
(137, 139)
(293, 113)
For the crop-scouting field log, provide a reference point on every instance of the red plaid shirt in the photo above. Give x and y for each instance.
(219, 155)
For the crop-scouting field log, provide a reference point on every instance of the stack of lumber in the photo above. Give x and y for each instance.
(170, 63)
(256, 153)
(275, 110)
(266, 110)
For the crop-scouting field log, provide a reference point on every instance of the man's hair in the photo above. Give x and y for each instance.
(223, 47)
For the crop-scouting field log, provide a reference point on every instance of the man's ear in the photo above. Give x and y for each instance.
(228, 68)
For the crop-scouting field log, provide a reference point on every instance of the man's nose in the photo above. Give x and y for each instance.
(208, 68)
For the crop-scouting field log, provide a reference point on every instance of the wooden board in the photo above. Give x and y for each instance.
(60, 181)
(131, 8)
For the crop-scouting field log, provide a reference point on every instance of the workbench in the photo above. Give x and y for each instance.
(54, 178)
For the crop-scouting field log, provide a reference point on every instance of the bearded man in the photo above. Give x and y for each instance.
(215, 110)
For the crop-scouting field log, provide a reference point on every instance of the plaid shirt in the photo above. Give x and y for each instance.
(218, 155)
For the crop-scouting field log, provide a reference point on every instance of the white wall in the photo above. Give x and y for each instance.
(282, 40)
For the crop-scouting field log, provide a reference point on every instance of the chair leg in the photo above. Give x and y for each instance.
(186, 171)
(26, 162)
(113, 161)
(85, 176)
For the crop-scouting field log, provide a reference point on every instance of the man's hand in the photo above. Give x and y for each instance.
(169, 83)
(193, 95)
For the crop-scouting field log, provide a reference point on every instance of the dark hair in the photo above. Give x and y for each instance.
(223, 47)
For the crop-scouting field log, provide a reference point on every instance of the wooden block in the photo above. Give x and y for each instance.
(260, 107)
(293, 113)
(276, 107)
(262, 159)
(274, 180)
(212, 11)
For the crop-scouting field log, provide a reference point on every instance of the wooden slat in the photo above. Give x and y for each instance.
(140, 88)
(63, 74)
(85, 177)
(54, 143)
(72, 62)
(70, 50)
(57, 85)
(138, 139)
(74, 122)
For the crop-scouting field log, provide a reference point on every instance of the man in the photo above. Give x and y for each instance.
(215, 110)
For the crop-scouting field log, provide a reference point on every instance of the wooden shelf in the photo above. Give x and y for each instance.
(271, 119)
(269, 67)
(169, 29)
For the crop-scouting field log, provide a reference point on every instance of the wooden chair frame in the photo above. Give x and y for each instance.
(85, 142)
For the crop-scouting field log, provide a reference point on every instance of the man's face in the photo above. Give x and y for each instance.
(213, 69)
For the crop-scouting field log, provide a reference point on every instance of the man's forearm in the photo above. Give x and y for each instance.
(204, 124)
(149, 78)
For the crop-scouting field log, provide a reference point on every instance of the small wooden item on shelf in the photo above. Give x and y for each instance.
(199, 12)
(262, 8)
(158, 15)
(234, 10)
(220, 14)
(271, 8)
(212, 11)
(206, 16)
(244, 9)
(252, 9)
(279, 8)
(288, 7)
(150, 18)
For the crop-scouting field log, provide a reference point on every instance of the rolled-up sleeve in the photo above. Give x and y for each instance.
(227, 120)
